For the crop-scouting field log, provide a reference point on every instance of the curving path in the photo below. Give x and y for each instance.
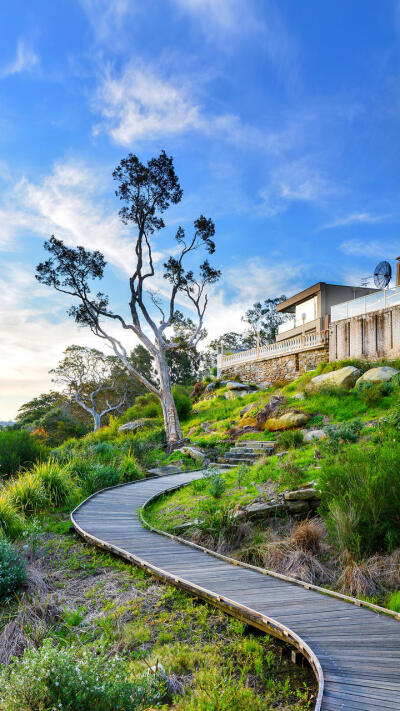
(354, 651)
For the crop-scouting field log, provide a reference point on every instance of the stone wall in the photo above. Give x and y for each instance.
(282, 368)
(370, 336)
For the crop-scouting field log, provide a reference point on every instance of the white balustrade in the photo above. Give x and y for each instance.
(375, 301)
(291, 345)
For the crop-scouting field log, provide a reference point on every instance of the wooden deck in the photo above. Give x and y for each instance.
(354, 651)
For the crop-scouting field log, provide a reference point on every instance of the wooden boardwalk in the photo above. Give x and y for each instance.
(354, 651)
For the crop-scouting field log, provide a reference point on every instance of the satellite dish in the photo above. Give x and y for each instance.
(382, 274)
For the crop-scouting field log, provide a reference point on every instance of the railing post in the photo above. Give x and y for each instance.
(258, 345)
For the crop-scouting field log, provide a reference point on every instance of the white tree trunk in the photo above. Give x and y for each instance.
(173, 431)
(96, 421)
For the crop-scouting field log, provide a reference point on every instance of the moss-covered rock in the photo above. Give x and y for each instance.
(343, 378)
(286, 421)
(382, 374)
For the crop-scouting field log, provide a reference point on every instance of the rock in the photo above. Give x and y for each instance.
(299, 396)
(344, 378)
(265, 385)
(165, 470)
(210, 387)
(283, 454)
(301, 495)
(233, 385)
(269, 409)
(378, 375)
(248, 422)
(233, 394)
(287, 421)
(248, 409)
(135, 425)
(262, 510)
(313, 435)
(297, 506)
(193, 453)
(192, 431)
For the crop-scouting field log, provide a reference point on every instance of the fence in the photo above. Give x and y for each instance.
(365, 304)
(272, 350)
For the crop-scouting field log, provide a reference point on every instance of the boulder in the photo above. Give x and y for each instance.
(210, 387)
(198, 389)
(165, 470)
(193, 453)
(248, 422)
(269, 409)
(265, 385)
(299, 396)
(378, 375)
(313, 435)
(233, 394)
(302, 495)
(297, 506)
(286, 421)
(343, 378)
(233, 385)
(262, 509)
(135, 425)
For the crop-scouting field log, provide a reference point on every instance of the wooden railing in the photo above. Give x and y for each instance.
(272, 350)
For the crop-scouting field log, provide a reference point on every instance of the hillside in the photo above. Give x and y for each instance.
(340, 448)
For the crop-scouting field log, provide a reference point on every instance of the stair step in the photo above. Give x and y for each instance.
(256, 444)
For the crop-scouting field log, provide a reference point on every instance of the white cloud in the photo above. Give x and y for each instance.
(139, 105)
(25, 60)
(379, 249)
(357, 218)
(297, 181)
(107, 17)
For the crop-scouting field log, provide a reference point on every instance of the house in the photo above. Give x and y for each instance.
(303, 340)
(309, 311)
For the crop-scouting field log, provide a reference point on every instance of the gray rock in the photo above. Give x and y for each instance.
(344, 377)
(193, 453)
(313, 435)
(265, 385)
(233, 394)
(233, 385)
(378, 375)
(248, 408)
(269, 409)
(301, 495)
(263, 510)
(134, 425)
(298, 506)
(299, 396)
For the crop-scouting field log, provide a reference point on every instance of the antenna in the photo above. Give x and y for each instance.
(382, 275)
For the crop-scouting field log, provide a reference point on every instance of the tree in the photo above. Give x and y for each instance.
(147, 190)
(185, 362)
(32, 411)
(91, 379)
(264, 319)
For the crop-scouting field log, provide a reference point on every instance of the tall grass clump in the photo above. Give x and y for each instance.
(18, 449)
(56, 482)
(360, 490)
(26, 493)
(11, 523)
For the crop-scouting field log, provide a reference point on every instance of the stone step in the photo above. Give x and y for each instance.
(256, 444)
(247, 450)
(240, 455)
(236, 461)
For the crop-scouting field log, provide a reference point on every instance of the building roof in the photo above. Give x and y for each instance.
(301, 296)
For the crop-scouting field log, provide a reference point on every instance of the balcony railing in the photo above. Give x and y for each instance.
(272, 350)
(366, 304)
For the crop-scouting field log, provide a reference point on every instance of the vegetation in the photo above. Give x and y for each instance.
(18, 449)
(12, 569)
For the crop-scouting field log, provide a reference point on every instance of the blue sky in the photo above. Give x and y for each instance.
(282, 117)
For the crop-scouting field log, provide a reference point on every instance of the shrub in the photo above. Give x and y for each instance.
(18, 449)
(129, 469)
(372, 393)
(217, 486)
(102, 476)
(12, 569)
(346, 432)
(56, 481)
(11, 523)
(361, 497)
(393, 602)
(71, 680)
(182, 401)
(291, 439)
(27, 493)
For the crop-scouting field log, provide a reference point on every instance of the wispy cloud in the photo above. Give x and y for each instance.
(25, 60)
(295, 181)
(379, 249)
(108, 17)
(355, 218)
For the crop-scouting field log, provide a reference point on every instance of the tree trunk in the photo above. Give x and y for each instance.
(96, 421)
(172, 425)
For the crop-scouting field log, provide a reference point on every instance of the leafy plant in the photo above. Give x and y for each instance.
(291, 439)
(56, 482)
(18, 449)
(26, 493)
(12, 569)
(11, 523)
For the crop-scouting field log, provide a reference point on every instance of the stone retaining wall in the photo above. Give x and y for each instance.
(282, 368)
(370, 336)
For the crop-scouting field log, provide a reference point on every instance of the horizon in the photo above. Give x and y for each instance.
(282, 120)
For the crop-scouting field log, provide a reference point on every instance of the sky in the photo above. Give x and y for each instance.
(283, 121)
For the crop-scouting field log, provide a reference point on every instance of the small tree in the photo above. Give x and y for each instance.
(92, 379)
(147, 191)
(264, 319)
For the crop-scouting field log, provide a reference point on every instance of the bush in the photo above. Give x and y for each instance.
(129, 469)
(56, 481)
(346, 432)
(101, 477)
(372, 393)
(182, 401)
(27, 494)
(145, 406)
(12, 569)
(18, 449)
(291, 439)
(360, 490)
(70, 680)
(11, 523)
